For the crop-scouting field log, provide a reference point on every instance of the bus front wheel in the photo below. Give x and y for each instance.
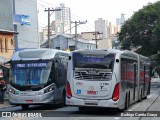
(81, 108)
(25, 107)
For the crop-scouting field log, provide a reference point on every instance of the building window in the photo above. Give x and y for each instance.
(12, 42)
(1, 44)
(6, 45)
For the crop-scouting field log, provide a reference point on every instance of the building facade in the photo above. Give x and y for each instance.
(26, 24)
(66, 41)
(6, 31)
(88, 35)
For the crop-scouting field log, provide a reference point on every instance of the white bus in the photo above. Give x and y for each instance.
(38, 76)
(106, 78)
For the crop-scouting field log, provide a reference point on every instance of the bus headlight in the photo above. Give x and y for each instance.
(49, 89)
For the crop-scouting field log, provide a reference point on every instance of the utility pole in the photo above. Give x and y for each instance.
(48, 10)
(76, 24)
(96, 38)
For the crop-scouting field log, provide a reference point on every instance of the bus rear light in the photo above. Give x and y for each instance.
(69, 93)
(115, 96)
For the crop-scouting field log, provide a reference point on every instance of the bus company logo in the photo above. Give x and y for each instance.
(91, 88)
(79, 83)
(6, 114)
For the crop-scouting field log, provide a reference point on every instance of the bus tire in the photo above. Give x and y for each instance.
(140, 97)
(63, 100)
(25, 107)
(126, 103)
(129, 100)
(81, 108)
(145, 97)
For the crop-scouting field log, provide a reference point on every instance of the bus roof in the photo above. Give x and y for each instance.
(99, 51)
(35, 54)
(123, 52)
(143, 58)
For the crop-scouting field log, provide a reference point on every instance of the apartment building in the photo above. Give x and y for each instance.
(6, 31)
(62, 19)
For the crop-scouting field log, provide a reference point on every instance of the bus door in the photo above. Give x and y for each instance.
(134, 89)
(57, 72)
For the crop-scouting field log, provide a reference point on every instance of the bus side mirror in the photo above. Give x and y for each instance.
(117, 60)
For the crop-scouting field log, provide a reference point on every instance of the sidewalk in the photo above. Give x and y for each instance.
(5, 104)
(6, 101)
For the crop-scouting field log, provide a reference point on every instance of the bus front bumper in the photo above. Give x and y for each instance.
(38, 99)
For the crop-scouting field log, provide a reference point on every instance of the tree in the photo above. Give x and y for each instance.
(142, 30)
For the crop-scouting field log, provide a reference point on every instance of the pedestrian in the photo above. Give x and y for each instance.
(2, 88)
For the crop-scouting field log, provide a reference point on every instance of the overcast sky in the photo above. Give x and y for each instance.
(91, 10)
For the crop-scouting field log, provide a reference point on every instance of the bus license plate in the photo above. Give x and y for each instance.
(28, 101)
(91, 92)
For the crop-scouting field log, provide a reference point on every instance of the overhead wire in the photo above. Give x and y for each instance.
(48, 5)
(55, 5)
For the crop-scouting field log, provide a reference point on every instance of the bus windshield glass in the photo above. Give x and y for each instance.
(93, 61)
(30, 73)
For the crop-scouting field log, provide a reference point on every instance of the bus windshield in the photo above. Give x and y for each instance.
(93, 61)
(30, 73)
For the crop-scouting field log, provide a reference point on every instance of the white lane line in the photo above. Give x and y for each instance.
(149, 96)
(137, 106)
(117, 118)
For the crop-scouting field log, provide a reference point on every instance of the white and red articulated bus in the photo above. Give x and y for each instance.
(106, 78)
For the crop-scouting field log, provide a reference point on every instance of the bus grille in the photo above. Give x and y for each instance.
(86, 75)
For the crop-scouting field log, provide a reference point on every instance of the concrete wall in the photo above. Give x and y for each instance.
(88, 35)
(6, 21)
(105, 44)
(28, 34)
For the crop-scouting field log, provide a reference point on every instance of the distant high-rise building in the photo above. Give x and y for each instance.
(101, 26)
(122, 19)
(117, 22)
(63, 19)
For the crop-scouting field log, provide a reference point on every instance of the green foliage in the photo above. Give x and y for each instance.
(142, 30)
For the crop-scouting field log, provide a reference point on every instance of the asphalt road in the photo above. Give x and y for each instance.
(72, 113)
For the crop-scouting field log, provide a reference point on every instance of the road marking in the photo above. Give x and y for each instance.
(137, 106)
(117, 118)
(149, 96)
